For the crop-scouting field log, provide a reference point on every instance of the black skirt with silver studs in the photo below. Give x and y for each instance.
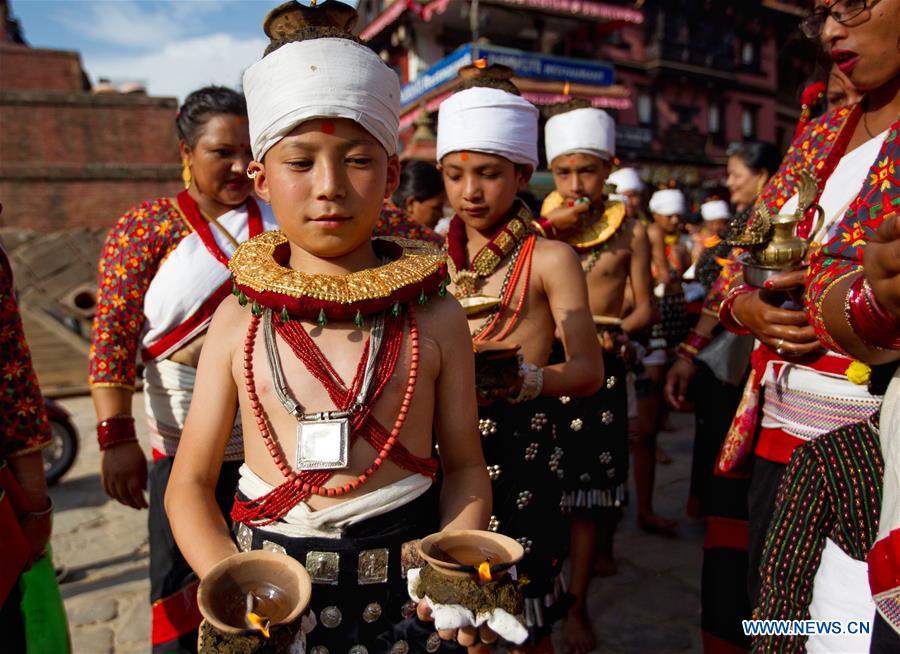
(359, 595)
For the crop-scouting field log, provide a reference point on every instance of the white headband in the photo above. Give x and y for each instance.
(491, 121)
(588, 130)
(668, 202)
(626, 179)
(715, 210)
(321, 78)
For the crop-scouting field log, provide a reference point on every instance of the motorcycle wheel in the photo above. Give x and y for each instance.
(60, 454)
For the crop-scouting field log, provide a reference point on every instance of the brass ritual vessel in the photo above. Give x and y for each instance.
(771, 242)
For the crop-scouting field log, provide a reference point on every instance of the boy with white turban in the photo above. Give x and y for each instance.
(628, 183)
(520, 290)
(615, 255)
(345, 337)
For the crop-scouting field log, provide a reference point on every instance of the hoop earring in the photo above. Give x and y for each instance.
(186, 173)
(252, 173)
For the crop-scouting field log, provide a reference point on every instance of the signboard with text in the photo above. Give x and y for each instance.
(525, 64)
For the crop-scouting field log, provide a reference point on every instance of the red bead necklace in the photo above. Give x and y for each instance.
(300, 485)
(521, 265)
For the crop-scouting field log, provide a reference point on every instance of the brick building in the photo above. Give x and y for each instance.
(688, 76)
(71, 155)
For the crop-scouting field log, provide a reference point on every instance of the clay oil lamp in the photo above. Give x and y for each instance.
(469, 569)
(253, 602)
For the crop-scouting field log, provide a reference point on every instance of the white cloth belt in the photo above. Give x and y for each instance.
(168, 388)
(840, 592)
(303, 522)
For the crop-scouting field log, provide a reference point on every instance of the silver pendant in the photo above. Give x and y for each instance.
(323, 444)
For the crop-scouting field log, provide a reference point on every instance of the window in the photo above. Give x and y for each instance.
(749, 57)
(748, 122)
(714, 120)
(645, 109)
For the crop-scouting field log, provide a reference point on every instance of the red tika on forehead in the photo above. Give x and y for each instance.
(327, 127)
(464, 156)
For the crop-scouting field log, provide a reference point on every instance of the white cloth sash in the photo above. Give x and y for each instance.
(840, 592)
(168, 388)
(303, 522)
(188, 277)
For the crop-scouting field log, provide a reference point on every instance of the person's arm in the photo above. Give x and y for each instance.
(788, 571)
(832, 284)
(563, 281)
(641, 281)
(659, 262)
(466, 490)
(129, 259)
(197, 523)
(24, 429)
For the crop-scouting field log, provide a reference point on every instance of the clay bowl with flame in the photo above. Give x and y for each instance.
(470, 552)
(279, 585)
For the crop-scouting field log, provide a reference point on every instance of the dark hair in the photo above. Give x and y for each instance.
(418, 180)
(757, 155)
(203, 104)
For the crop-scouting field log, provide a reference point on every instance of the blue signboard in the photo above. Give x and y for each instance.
(525, 64)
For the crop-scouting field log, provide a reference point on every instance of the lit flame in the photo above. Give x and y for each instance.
(258, 622)
(723, 262)
(566, 88)
(480, 63)
(484, 572)
(712, 241)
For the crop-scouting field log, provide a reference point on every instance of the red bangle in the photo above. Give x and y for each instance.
(868, 319)
(546, 227)
(692, 345)
(115, 431)
(726, 317)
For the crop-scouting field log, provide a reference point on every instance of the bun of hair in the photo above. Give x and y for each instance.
(481, 75)
(565, 107)
(292, 21)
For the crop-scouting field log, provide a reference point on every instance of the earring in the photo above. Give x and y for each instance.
(186, 173)
(252, 173)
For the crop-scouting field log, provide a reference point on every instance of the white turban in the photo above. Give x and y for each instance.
(668, 202)
(321, 78)
(715, 210)
(590, 131)
(491, 121)
(626, 179)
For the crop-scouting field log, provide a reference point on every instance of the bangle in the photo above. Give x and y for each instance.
(692, 345)
(115, 431)
(37, 515)
(532, 383)
(545, 227)
(868, 319)
(726, 317)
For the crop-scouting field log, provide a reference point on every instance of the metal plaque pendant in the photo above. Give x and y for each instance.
(323, 444)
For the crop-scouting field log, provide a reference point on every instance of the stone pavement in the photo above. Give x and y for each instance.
(651, 606)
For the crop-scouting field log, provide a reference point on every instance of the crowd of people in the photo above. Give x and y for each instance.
(589, 321)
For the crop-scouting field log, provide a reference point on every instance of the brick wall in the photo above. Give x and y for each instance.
(68, 204)
(36, 69)
(70, 158)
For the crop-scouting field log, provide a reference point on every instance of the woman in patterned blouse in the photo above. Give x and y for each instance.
(162, 273)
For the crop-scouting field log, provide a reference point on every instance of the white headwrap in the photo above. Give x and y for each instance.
(626, 179)
(491, 121)
(588, 130)
(668, 202)
(321, 78)
(715, 210)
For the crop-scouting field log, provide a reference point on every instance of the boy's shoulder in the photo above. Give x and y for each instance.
(229, 322)
(549, 253)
